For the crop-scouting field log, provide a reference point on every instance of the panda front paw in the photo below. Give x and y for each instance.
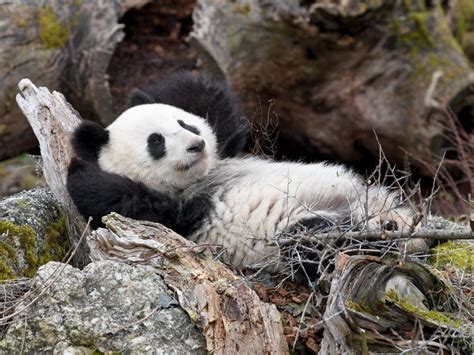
(75, 166)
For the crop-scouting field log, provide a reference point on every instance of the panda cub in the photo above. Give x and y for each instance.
(174, 157)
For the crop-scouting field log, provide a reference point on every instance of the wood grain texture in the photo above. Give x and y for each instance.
(231, 315)
(52, 120)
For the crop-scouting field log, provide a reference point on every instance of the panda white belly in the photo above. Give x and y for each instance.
(255, 200)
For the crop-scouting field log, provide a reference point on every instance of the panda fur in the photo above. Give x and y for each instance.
(174, 157)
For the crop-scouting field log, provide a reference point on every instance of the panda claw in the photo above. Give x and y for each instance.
(389, 225)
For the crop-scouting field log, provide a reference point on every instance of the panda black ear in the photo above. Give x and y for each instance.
(138, 97)
(88, 139)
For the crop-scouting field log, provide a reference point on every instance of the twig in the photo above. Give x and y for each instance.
(302, 318)
(389, 235)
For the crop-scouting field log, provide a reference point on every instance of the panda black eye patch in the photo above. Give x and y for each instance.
(190, 128)
(156, 145)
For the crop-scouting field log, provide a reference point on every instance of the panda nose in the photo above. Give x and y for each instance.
(196, 147)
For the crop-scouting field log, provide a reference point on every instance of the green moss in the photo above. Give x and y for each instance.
(9, 260)
(457, 254)
(56, 245)
(6, 271)
(358, 307)
(413, 32)
(464, 19)
(3, 129)
(28, 242)
(52, 33)
(421, 34)
(440, 318)
(243, 9)
(365, 308)
(8, 251)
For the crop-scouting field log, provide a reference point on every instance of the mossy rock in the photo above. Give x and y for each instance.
(32, 233)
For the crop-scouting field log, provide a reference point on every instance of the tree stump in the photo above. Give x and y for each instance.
(341, 70)
(384, 307)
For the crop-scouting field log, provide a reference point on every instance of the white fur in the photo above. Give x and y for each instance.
(259, 199)
(126, 152)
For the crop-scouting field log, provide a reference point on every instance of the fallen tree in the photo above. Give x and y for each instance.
(338, 70)
(230, 314)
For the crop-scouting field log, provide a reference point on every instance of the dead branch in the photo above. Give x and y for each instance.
(53, 119)
(231, 315)
(462, 233)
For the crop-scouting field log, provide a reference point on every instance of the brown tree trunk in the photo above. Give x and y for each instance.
(341, 70)
(64, 45)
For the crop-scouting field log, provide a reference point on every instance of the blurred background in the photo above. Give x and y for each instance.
(318, 80)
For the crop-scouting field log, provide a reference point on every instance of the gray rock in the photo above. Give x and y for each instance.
(32, 232)
(108, 306)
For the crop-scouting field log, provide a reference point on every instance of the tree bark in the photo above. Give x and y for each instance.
(391, 307)
(52, 119)
(231, 315)
(341, 70)
(64, 45)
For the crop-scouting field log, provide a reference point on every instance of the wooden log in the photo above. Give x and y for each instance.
(231, 315)
(52, 119)
(340, 70)
(61, 44)
(384, 307)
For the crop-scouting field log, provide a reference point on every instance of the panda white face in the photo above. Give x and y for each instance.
(162, 146)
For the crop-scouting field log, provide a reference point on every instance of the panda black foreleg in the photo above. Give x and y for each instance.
(193, 212)
(97, 193)
(312, 259)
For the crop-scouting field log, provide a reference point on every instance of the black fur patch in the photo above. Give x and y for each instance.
(205, 98)
(156, 145)
(88, 139)
(189, 128)
(309, 255)
(97, 193)
(138, 97)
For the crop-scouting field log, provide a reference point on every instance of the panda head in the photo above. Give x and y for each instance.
(159, 145)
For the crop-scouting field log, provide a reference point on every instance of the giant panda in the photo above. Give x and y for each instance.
(175, 157)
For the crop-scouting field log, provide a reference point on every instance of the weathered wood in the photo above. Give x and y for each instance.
(231, 315)
(61, 44)
(340, 70)
(52, 120)
(381, 306)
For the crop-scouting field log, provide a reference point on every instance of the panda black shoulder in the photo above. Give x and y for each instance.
(204, 97)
